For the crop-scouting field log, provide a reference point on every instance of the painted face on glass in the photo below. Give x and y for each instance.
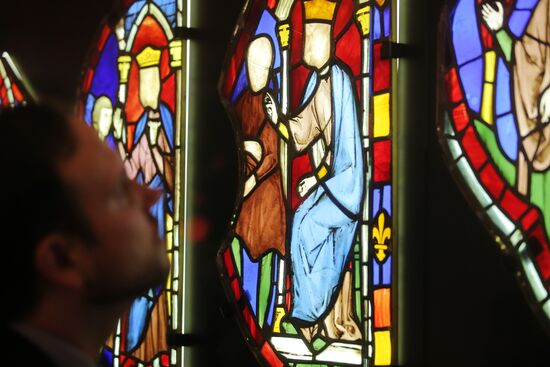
(317, 44)
(127, 256)
(102, 116)
(259, 60)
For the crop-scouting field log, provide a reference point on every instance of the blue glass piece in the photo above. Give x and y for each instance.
(526, 4)
(107, 356)
(105, 81)
(386, 271)
(268, 26)
(278, 75)
(375, 201)
(88, 109)
(471, 75)
(241, 85)
(387, 21)
(375, 273)
(465, 31)
(508, 135)
(518, 21)
(503, 95)
(132, 14)
(376, 31)
(136, 321)
(386, 199)
(269, 319)
(250, 280)
(169, 8)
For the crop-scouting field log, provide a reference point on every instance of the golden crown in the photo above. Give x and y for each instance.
(319, 9)
(148, 57)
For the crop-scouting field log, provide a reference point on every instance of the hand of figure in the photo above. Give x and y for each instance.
(493, 17)
(118, 123)
(305, 185)
(544, 106)
(249, 185)
(153, 132)
(271, 109)
(254, 148)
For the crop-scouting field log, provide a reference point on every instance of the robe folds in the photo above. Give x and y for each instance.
(261, 223)
(324, 226)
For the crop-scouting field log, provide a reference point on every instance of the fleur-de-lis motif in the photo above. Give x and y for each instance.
(381, 234)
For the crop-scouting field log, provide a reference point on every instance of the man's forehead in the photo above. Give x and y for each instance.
(93, 162)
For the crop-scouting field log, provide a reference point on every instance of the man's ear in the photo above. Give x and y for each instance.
(56, 259)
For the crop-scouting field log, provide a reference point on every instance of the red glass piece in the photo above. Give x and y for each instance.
(382, 306)
(255, 332)
(17, 93)
(236, 288)
(381, 69)
(358, 88)
(168, 92)
(133, 107)
(88, 80)
(382, 160)
(542, 253)
(473, 148)
(130, 130)
(103, 38)
(486, 38)
(150, 33)
(298, 79)
(348, 49)
(287, 291)
(492, 181)
(164, 360)
(343, 17)
(296, 33)
(301, 166)
(228, 262)
(271, 4)
(513, 205)
(529, 219)
(460, 117)
(453, 86)
(270, 356)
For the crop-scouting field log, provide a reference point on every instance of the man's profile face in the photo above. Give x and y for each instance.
(127, 256)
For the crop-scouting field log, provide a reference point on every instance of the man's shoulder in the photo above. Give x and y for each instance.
(20, 351)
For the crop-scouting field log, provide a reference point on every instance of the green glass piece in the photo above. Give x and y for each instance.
(505, 166)
(289, 328)
(236, 251)
(505, 42)
(265, 286)
(318, 344)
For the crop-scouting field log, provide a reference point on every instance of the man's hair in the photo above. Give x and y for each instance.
(34, 200)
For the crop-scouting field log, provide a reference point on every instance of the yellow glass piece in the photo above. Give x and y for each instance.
(283, 129)
(381, 234)
(363, 16)
(168, 280)
(124, 62)
(490, 62)
(319, 9)
(279, 313)
(322, 172)
(487, 103)
(148, 57)
(382, 348)
(382, 115)
(169, 223)
(176, 53)
(284, 34)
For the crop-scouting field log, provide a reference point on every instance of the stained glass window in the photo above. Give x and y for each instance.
(13, 89)
(494, 126)
(133, 94)
(309, 259)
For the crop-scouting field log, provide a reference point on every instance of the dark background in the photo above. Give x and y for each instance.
(461, 304)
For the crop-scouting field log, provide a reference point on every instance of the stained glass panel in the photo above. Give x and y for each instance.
(308, 262)
(494, 126)
(133, 95)
(14, 91)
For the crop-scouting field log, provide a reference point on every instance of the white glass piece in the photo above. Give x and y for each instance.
(341, 353)
(481, 195)
(516, 238)
(500, 220)
(531, 273)
(455, 149)
(292, 348)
